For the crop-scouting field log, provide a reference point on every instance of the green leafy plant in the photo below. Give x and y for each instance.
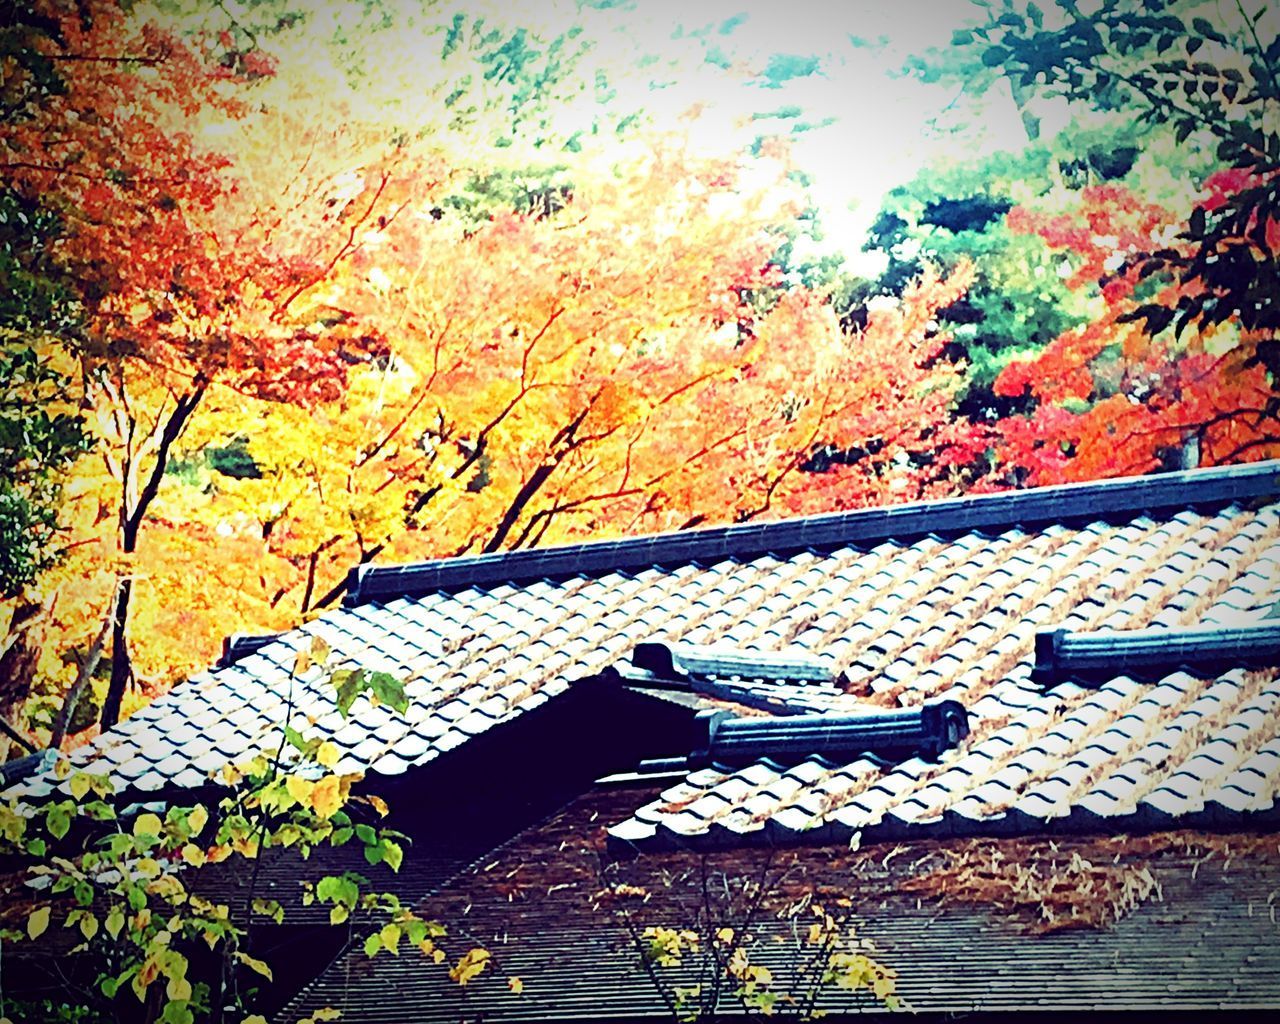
(115, 892)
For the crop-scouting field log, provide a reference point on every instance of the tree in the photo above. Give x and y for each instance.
(1110, 398)
(177, 293)
(1207, 276)
(1192, 263)
(590, 371)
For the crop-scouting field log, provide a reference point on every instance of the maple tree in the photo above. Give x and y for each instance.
(599, 370)
(184, 277)
(1179, 364)
(310, 335)
(1110, 397)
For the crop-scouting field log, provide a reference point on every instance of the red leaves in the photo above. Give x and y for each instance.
(1109, 398)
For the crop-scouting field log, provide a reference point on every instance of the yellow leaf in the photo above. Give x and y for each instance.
(193, 855)
(61, 768)
(147, 824)
(37, 922)
(301, 662)
(115, 921)
(197, 819)
(472, 965)
(254, 964)
(379, 805)
(328, 754)
(390, 936)
(725, 935)
(148, 867)
(515, 984)
(319, 654)
(88, 926)
(178, 989)
(254, 1018)
(79, 785)
(326, 798)
(299, 788)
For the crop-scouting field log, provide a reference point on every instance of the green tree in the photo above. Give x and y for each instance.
(1209, 73)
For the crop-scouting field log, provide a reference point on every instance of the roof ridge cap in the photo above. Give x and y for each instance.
(1097, 499)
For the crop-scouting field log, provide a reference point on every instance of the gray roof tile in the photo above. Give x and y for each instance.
(947, 608)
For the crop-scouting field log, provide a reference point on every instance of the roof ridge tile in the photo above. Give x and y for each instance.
(956, 516)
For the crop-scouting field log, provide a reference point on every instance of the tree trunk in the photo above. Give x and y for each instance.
(121, 664)
(18, 660)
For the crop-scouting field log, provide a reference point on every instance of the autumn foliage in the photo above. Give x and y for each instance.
(1115, 397)
(309, 325)
(299, 348)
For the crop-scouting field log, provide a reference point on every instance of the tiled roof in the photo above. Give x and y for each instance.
(1203, 939)
(904, 605)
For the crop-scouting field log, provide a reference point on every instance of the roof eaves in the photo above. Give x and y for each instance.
(1066, 503)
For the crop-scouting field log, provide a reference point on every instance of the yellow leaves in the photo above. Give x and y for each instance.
(37, 922)
(470, 966)
(379, 805)
(327, 796)
(79, 785)
(667, 946)
(322, 1015)
(254, 964)
(328, 754)
(515, 984)
(299, 788)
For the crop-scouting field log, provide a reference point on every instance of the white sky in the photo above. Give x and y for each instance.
(880, 136)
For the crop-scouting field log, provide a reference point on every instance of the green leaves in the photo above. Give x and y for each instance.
(994, 56)
(382, 687)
